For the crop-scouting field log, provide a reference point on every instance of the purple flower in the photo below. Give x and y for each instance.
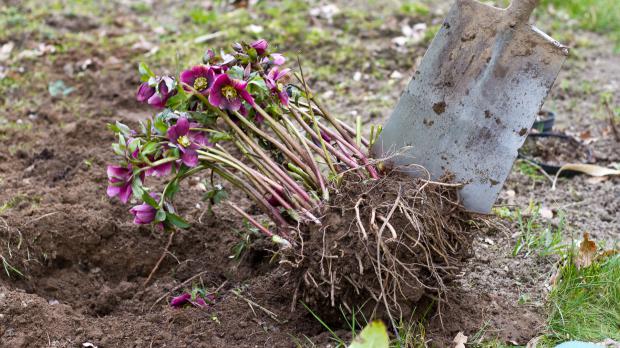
(179, 301)
(165, 90)
(199, 302)
(274, 59)
(119, 182)
(209, 55)
(219, 69)
(187, 141)
(200, 78)
(273, 76)
(260, 46)
(145, 91)
(186, 297)
(277, 59)
(227, 93)
(143, 214)
(160, 170)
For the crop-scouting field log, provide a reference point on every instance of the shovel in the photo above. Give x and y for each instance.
(476, 94)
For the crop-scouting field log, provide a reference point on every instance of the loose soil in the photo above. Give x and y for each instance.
(556, 151)
(84, 262)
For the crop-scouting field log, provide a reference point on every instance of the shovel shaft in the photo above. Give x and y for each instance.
(520, 11)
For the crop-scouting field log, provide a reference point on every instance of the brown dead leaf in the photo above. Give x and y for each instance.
(587, 252)
(533, 343)
(460, 339)
(607, 253)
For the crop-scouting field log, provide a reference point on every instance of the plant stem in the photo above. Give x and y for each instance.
(250, 191)
(286, 179)
(327, 146)
(281, 147)
(308, 155)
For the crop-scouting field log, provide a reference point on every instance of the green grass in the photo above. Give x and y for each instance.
(602, 16)
(537, 235)
(585, 304)
(411, 333)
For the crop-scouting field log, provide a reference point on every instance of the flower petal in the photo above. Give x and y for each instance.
(125, 192)
(160, 170)
(182, 126)
(117, 172)
(246, 96)
(157, 101)
(145, 91)
(283, 97)
(189, 157)
(199, 302)
(113, 190)
(180, 300)
(187, 77)
(260, 46)
(277, 59)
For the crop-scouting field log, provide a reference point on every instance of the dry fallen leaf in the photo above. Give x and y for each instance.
(589, 169)
(460, 340)
(533, 343)
(587, 252)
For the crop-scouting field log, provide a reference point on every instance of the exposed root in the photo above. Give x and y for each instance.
(392, 240)
(161, 258)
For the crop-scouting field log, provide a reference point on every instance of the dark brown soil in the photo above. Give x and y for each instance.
(556, 151)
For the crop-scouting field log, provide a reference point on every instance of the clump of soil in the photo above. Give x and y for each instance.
(386, 244)
(556, 150)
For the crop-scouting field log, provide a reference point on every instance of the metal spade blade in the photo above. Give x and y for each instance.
(476, 94)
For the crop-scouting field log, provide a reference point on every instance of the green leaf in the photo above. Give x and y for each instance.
(216, 137)
(160, 216)
(374, 335)
(173, 187)
(145, 72)
(114, 128)
(136, 187)
(293, 214)
(178, 101)
(149, 148)
(206, 119)
(146, 197)
(252, 53)
(118, 149)
(236, 72)
(124, 129)
(176, 220)
(160, 125)
(258, 86)
(133, 145)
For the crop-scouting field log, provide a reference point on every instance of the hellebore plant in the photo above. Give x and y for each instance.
(242, 117)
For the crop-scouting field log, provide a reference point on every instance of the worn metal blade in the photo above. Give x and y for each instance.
(470, 105)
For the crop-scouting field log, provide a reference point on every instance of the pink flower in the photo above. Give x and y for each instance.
(229, 94)
(186, 298)
(260, 46)
(160, 170)
(156, 93)
(119, 182)
(200, 78)
(187, 141)
(273, 76)
(143, 214)
(145, 91)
